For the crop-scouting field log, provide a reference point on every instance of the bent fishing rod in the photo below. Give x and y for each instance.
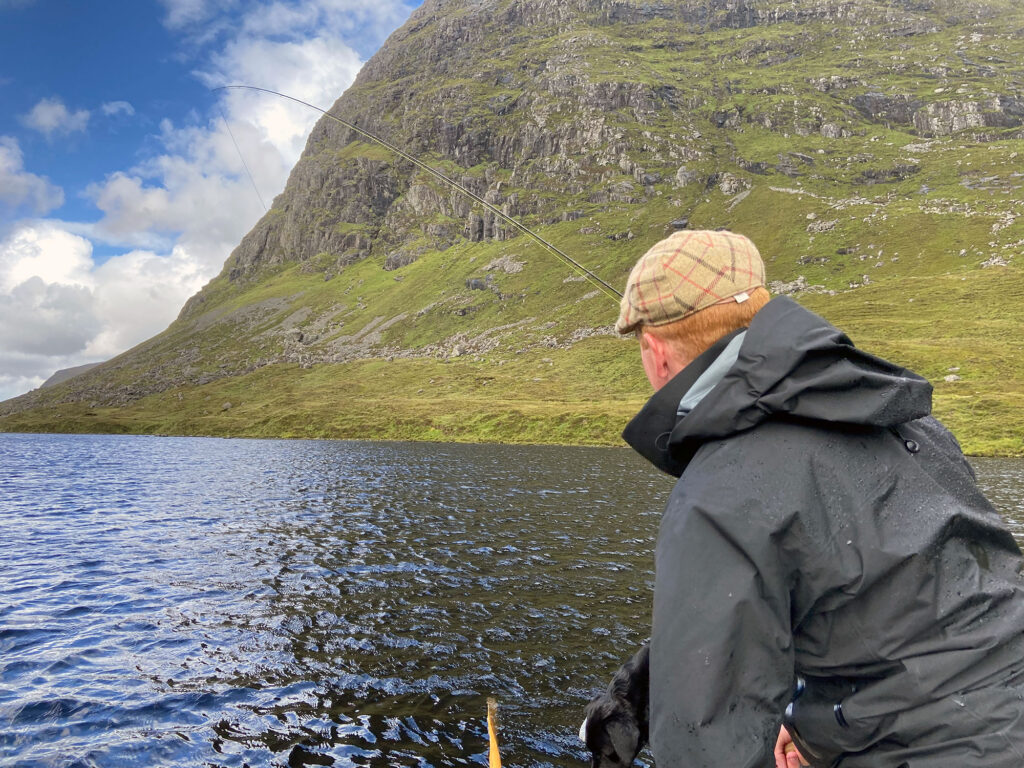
(557, 252)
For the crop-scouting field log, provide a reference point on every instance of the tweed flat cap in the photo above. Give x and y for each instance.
(687, 272)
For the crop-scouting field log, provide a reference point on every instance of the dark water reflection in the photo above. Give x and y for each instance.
(226, 603)
(188, 601)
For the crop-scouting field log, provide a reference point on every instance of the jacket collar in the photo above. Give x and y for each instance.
(648, 432)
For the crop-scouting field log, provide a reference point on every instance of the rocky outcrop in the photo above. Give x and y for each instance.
(947, 117)
(942, 117)
(881, 107)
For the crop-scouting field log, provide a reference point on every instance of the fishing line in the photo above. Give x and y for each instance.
(564, 257)
(242, 158)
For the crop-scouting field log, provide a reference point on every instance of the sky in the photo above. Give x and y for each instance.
(122, 183)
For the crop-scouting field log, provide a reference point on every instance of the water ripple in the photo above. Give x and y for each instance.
(184, 602)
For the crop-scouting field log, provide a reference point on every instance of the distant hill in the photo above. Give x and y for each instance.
(66, 373)
(871, 148)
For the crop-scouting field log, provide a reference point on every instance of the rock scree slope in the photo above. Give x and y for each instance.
(871, 148)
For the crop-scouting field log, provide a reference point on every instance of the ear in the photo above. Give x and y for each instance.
(660, 355)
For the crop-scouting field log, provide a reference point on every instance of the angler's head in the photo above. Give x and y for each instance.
(686, 293)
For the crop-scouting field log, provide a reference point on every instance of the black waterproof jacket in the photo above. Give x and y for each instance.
(826, 530)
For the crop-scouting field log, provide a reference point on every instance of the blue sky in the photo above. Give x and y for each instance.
(121, 191)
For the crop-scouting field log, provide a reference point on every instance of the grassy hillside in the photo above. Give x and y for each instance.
(512, 387)
(871, 149)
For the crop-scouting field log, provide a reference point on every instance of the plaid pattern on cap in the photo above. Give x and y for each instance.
(686, 272)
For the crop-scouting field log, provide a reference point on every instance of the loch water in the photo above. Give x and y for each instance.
(204, 602)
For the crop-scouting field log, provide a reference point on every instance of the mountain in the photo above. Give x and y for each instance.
(871, 148)
(64, 374)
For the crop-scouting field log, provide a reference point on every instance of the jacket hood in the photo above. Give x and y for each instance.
(792, 365)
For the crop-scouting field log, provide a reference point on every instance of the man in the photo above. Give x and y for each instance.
(825, 559)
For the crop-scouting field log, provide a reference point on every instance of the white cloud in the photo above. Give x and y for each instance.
(17, 374)
(358, 22)
(45, 251)
(19, 188)
(355, 21)
(59, 309)
(139, 294)
(47, 315)
(117, 108)
(47, 319)
(198, 193)
(52, 118)
(316, 70)
(197, 197)
(373, 21)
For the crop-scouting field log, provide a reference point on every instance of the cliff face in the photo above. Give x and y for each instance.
(545, 95)
(860, 142)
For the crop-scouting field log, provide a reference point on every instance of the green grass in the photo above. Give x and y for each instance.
(587, 394)
(527, 400)
(954, 325)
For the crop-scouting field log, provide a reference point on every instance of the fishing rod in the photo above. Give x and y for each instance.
(241, 157)
(560, 254)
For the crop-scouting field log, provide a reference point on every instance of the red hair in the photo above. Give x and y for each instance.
(693, 334)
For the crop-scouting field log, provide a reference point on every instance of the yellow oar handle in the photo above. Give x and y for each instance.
(493, 758)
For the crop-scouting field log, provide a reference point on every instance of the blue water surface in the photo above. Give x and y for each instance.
(180, 601)
(205, 602)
